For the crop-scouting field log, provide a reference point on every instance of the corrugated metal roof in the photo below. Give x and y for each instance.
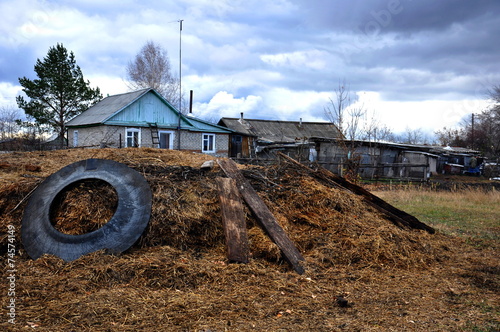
(453, 150)
(202, 125)
(281, 131)
(106, 108)
(432, 149)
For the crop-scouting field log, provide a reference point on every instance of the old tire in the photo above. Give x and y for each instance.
(127, 224)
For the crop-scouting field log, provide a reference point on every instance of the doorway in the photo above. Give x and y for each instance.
(166, 139)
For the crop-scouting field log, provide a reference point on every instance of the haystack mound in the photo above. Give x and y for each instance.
(176, 276)
(333, 226)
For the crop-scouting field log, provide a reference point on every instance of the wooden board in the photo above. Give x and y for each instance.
(233, 220)
(263, 215)
(395, 215)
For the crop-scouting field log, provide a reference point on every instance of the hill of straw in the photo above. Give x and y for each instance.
(176, 276)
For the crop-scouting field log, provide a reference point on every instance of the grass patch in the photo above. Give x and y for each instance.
(490, 327)
(468, 213)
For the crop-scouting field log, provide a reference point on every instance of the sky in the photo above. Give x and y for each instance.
(410, 64)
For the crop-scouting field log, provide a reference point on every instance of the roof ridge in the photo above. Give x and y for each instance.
(130, 92)
(290, 121)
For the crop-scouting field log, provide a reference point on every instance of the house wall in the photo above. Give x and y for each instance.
(109, 136)
(100, 136)
(192, 141)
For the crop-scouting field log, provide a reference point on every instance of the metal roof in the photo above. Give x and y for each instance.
(271, 131)
(432, 149)
(453, 150)
(106, 108)
(141, 108)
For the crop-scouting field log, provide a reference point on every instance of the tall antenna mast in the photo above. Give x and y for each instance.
(180, 64)
(180, 86)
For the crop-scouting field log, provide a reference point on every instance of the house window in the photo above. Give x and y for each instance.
(133, 136)
(208, 144)
(75, 138)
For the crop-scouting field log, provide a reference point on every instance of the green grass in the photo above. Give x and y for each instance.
(472, 214)
(467, 213)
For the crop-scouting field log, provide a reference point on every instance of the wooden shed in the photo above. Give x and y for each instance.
(372, 160)
(263, 138)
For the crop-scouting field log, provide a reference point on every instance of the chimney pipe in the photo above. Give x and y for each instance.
(190, 101)
(241, 115)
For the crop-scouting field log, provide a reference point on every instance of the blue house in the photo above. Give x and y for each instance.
(144, 118)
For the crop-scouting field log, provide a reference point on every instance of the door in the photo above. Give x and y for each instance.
(165, 140)
(236, 141)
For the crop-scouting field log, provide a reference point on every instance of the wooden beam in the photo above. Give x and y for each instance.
(263, 215)
(395, 215)
(233, 220)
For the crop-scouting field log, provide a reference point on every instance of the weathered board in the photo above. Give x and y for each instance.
(395, 215)
(263, 215)
(233, 220)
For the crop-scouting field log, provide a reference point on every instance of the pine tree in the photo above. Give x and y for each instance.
(60, 92)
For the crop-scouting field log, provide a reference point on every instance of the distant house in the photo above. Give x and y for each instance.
(263, 138)
(457, 160)
(54, 143)
(145, 119)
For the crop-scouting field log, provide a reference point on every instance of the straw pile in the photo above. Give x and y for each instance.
(176, 276)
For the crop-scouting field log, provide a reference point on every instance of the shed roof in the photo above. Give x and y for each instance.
(275, 131)
(432, 149)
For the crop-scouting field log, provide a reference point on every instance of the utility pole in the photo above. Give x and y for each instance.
(180, 86)
(472, 131)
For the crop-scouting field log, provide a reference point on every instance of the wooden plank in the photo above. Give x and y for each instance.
(263, 215)
(233, 220)
(395, 215)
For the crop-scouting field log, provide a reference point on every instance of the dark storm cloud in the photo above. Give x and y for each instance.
(440, 15)
(379, 16)
(281, 58)
(16, 63)
(398, 46)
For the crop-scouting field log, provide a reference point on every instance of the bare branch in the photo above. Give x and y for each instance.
(151, 69)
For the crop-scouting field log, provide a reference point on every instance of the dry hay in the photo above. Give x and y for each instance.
(176, 276)
(83, 207)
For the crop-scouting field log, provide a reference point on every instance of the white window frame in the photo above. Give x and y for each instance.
(206, 136)
(172, 137)
(133, 130)
(75, 138)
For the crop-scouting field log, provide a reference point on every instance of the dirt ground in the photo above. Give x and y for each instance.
(362, 272)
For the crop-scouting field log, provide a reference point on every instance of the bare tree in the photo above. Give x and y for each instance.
(151, 69)
(413, 136)
(494, 93)
(374, 131)
(346, 114)
(336, 110)
(450, 136)
(485, 134)
(353, 121)
(9, 128)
